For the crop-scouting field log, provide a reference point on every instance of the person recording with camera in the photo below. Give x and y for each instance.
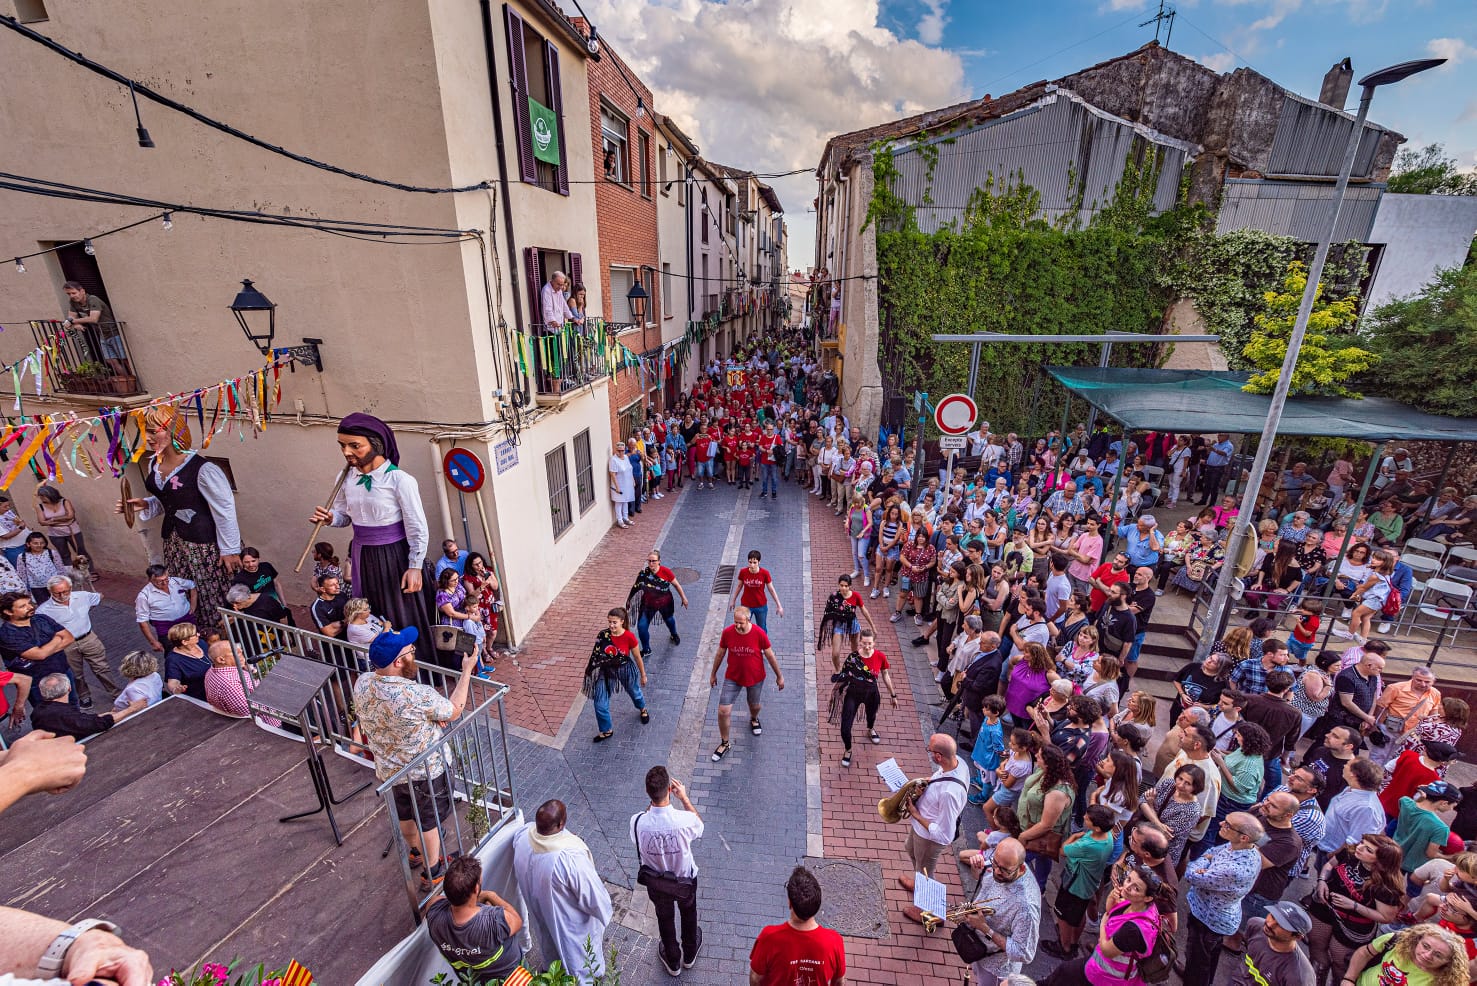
(663, 836)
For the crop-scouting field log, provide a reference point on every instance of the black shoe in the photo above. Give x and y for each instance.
(85, 704)
(645, 654)
(1053, 948)
(689, 961)
(676, 638)
(673, 966)
(920, 641)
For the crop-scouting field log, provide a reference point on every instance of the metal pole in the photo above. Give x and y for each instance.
(1374, 465)
(1104, 353)
(974, 369)
(1241, 529)
(1111, 540)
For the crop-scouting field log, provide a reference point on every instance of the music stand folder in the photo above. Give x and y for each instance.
(294, 689)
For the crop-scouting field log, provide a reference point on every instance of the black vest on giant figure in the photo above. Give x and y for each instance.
(181, 494)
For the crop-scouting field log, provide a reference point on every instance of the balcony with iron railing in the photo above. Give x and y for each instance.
(88, 360)
(567, 359)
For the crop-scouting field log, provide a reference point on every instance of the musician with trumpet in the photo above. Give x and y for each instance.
(1007, 913)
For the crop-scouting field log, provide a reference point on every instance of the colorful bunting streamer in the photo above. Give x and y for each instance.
(47, 443)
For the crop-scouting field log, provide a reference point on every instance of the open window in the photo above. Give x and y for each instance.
(538, 106)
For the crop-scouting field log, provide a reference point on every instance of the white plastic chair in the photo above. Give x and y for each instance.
(1421, 546)
(1424, 569)
(1462, 555)
(1446, 600)
(1154, 474)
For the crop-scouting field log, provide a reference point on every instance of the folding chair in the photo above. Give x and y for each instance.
(1448, 599)
(1463, 556)
(1424, 570)
(1422, 546)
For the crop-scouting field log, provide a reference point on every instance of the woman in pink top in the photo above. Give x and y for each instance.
(1086, 553)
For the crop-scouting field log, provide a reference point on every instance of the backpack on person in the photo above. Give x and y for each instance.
(1393, 602)
(1156, 966)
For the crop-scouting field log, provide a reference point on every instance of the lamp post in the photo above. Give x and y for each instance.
(1241, 527)
(257, 316)
(636, 299)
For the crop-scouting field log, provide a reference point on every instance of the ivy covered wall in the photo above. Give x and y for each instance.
(1001, 268)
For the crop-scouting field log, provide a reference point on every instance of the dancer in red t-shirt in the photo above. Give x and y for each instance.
(747, 648)
(753, 583)
(615, 664)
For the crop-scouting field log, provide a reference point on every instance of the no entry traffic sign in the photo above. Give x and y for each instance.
(464, 469)
(955, 414)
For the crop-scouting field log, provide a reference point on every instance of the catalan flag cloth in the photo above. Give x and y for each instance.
(296, 975)
(520, 977)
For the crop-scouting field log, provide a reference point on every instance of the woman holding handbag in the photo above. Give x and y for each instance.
(1045, 811)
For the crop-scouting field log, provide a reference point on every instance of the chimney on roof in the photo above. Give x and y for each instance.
(1335, 89)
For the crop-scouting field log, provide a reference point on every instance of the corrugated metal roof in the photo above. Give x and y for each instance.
(1311, 138)
(1048, 145)
(1297, 208)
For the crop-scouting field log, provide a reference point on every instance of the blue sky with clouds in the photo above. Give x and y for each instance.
(763, 84)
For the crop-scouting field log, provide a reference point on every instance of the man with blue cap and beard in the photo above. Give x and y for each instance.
(401, 719)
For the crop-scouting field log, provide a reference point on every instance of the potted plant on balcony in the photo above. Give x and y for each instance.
(123, 383)
(90, 377)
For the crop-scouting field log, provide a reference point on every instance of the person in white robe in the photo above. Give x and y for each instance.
(565, 899)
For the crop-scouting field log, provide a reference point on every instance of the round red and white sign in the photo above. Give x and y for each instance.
(955, 414)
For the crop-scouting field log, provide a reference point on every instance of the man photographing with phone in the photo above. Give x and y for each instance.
(664, 836)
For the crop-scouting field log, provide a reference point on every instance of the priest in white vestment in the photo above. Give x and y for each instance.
(563, 896)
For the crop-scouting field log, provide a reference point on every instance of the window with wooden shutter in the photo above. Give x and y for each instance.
(576, 269)
(518, 77)
(556, 103)
(533, 267)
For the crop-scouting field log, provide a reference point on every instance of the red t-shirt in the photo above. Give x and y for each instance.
(702, 443)
(5, 678)
(753, 583)
(767, 445)
(626, 644)
(877, 663)
(1105, 574)
(783, 956)
(751, 435)
(1409, 774)
(745, 654)
(745, 456)
(730, 447)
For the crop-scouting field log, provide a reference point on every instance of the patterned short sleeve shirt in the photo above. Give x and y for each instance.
(401, 719)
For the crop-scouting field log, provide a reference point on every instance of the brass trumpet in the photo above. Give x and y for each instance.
(931, 922)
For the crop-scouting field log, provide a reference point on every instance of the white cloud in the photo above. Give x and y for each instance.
(763, 84)
(1116, 5)
(1454, 50)
(1221, 61)
(931, 25)
(1276, 15)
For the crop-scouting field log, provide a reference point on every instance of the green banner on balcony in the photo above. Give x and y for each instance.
(544, 126)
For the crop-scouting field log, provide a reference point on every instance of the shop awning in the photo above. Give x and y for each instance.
(1205, 402)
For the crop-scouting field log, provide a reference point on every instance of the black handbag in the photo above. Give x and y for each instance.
(661, 881)
(970, 944)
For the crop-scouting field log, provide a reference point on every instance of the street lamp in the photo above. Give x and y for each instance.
(636, 298)
(1241, 527)
(257, 316)
(261, 328)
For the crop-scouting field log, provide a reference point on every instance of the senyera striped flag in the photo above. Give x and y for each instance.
(296, 975)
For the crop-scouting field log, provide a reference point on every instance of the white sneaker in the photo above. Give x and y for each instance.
(854, 573)
(875, 594)
(1384, 627)
(1342, 633)
(866, 581)
(887, 592)
(1158, 592)
(938, 676)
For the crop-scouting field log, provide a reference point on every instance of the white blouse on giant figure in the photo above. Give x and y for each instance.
(392, 496)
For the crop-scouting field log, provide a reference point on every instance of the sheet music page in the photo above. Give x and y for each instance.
(892, 774)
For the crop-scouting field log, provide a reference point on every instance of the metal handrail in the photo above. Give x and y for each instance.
(477, 765)
(1333, 604)
(469, 758)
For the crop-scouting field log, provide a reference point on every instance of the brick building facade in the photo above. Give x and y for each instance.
(625, 140)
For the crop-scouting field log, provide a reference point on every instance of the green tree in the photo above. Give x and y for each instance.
(1427, 345)
(1429, 171)
(1326, 359)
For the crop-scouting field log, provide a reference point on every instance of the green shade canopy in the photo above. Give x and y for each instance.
(1205, 402)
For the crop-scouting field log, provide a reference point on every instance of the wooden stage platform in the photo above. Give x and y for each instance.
(174, 834)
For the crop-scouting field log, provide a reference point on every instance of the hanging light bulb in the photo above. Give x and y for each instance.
(640, 106)
(169, 220)
(88, 249)
(20, 266)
